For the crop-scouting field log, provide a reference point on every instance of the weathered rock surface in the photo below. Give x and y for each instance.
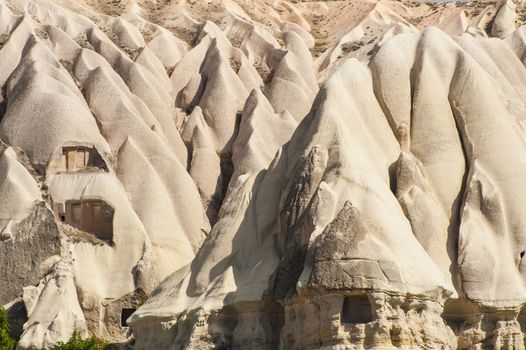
(264, 174)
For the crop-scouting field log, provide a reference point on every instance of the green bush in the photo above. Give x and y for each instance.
(6, 342)
(77, 343)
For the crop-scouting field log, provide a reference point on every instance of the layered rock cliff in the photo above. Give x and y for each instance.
(264, 174)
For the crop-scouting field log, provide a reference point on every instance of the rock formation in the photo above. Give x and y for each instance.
(239, 174)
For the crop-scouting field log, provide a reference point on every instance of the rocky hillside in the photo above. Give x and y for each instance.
(264, 174)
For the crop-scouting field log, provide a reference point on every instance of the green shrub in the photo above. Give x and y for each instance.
(6, 342)
(77, 343)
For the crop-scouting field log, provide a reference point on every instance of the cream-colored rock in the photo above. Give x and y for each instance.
(504, 22)
(256, 174)
(53, 310)
(17, 188)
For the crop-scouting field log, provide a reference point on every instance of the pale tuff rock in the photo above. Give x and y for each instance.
(53, 309)
(18, 189)
(398, 322)
(455, 24)
(340, 229)
(28, 233)
(263, 174)
(504, 22)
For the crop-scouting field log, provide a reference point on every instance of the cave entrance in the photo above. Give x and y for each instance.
(457, 312)
(125, 314)
(91, 215)
(357, 309)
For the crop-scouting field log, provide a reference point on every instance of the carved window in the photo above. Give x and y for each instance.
(357, 309)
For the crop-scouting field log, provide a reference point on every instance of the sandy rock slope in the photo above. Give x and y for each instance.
(264, 174)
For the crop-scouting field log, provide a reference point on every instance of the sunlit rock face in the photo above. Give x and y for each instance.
(264, 174)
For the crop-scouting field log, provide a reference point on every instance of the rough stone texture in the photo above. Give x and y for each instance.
(399, 322)
(111, 314)
(337, 264)
(25, 257)
(281, 174)
(296, 223)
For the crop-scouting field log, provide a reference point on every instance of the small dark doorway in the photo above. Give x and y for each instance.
(357, 309)
(125, 314)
